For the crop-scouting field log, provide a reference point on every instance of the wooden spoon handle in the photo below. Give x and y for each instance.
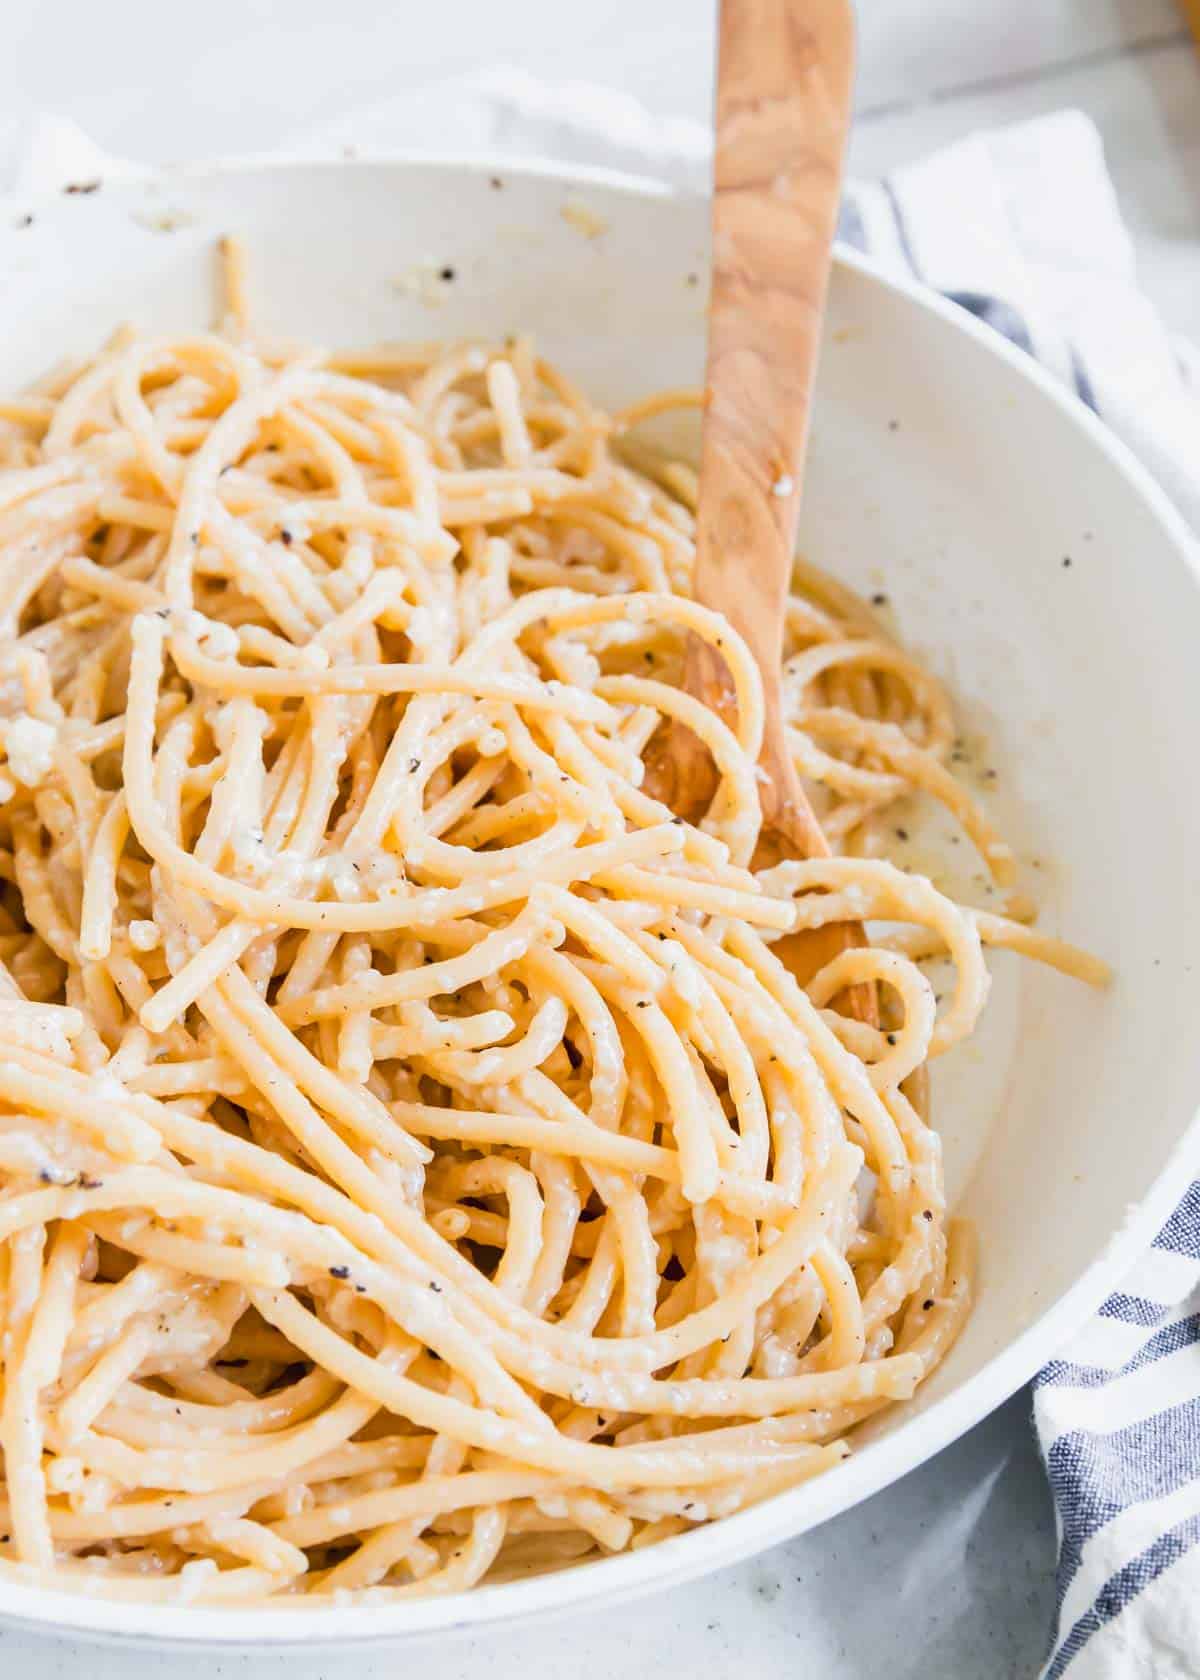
(783, 104)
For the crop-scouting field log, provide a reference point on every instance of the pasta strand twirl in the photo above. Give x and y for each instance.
(421, 1158)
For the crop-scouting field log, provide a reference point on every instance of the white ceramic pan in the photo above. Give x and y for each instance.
(946, 473)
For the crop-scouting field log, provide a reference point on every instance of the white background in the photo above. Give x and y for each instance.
(167, 80)
(947, 1576)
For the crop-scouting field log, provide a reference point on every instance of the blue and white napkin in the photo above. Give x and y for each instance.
(1020, 226)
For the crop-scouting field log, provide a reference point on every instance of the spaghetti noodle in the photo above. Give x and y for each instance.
(421, 1159)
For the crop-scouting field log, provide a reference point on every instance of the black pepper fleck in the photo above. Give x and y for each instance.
(879, 600)
(447, 273)
(82, 187)
(1066, 560)
(286, 538)
(339, 1271)
(414, 764)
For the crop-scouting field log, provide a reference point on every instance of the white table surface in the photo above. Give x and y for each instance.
(967, 1599)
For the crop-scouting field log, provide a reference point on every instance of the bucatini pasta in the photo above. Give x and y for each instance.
(424, 1156)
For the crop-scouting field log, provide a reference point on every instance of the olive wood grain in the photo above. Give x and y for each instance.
(784, 79)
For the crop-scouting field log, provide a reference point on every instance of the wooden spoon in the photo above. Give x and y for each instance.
(784, 77)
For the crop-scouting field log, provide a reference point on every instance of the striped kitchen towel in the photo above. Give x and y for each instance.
(1022, 228)
(1119, 1419)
